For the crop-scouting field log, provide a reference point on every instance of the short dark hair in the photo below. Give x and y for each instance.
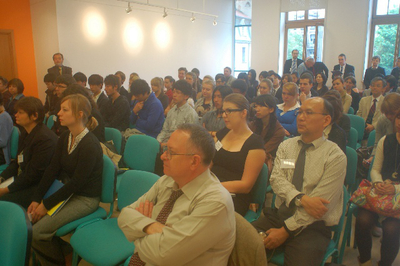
(65, 79)
(230, 69)
(58, 54)
(220, 76)
(79, 76)
(342, 55)
(240, 85)
(4, 80)
(391, 80)
(264, 74)
(120, 73)
(17, 83)
(324, 78)
(200, 140)
(224, 90)
(31, 106)
(184, 87)
(79, 89)
(49, 77)
(112, 80)
(334, 98)
(307, 76)
(379, 79)
(96, 79)
(170, 78)
(376, 57)
(182, 68)
(140, 86)
(294, 50)
(196, 71)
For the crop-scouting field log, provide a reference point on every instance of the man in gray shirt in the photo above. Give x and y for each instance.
(187, 217)
(307, 179)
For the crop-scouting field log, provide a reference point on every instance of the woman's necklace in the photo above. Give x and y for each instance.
(396, 168)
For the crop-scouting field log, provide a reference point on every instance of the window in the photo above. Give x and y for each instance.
(305, 32)
(385, 32)
(242, 36)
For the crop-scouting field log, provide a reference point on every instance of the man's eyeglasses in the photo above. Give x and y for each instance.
(229, 111)
(169, 153)
(62, 86)
(308, 113)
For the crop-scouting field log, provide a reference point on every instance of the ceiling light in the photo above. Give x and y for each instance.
(165, 13)
(215, 22)
(193, 18)
(128, 10)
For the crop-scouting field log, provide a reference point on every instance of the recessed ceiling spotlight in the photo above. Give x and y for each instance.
(165, 13)
(193, 18)
(128, 10)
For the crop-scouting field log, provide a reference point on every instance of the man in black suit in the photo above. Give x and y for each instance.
(96, 86)
(292, 64)
(373, 71)
(58, 68)
(122, 89)
(396, 71)
(344, 68)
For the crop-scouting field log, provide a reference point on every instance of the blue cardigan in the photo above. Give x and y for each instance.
(6, 128)
(288, 120)
(150, 119)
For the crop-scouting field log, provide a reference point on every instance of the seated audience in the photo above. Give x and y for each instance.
(205, 103)
(263, 75)
(252, 75)
(342, 120)
(96, 86)
(16, 89)
(286, 78)
(213, 120)
(122, 90)
(305, 210)
(181, 113)
(384, 176)
(391, 85)
(240, 153)
(350, 84)
(50, 104)
(306, 90)
(157, 86)
(148, 112)
(182, 73)
(267, 126)
(228, 76)
(295, 78)
(191, 79)
(373, 71)
(117, 110)
(286, 111)
(220, 80)
(6, 128)
(168, 83)
(265, 87)
(81, 79)
(78, 163)
(36, 147)
(4, 90)
(320, 84)
(338, 84)
(239, 86)
(370, 106)
(187, 217)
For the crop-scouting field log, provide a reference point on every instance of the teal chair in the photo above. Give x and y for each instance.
(371, 138)
(140, 154)
(351, 111)
(50, 121)
(259, 190)
(114, 135)
(14, 147)
(353, 139)
(351, 169)
(333, 247)
(15, 235)
(359, 124)
(101, 242)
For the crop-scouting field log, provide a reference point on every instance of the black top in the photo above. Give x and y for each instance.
(347, 70)
(396, 73)
(338, 136)
(102, 102)
(391, 148)
(321, 91)
(10, 107)
(229, 166)
(288, 65)
(278, 95)
(371, 73)
(50, 104)
(36, 149)
(99, 131)
(117, 113)
(355, 101)
(124, 92)
(163, 99)
(344, 123)
(81, 171)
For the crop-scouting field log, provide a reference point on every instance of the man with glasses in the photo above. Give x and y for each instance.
(307, 178)
(59, 69)
(187, 217)
(292, 64)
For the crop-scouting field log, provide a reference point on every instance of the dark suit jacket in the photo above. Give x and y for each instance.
(347, 70)
(372, 73)
(319, 67)
(288, 65)
(56, 71)
(102, 102)
(338, 136)
(396, 73)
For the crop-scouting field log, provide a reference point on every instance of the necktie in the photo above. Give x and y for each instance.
(60, 70)
(371, 113)
(294, 66)
(341, 70)
(297, 180)
(161, 218)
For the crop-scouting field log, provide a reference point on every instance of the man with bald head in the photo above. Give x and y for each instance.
(307, 179)
(313, 67)
(199, 228)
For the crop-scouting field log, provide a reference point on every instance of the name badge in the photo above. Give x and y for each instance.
(288, 163)
(20, 158)
(218, 145)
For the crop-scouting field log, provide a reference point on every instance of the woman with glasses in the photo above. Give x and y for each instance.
(240, 154)
(286, 111)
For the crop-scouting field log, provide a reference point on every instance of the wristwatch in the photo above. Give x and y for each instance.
(297, 200)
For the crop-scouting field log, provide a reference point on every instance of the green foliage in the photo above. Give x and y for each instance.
(384, 44)
(295, 41)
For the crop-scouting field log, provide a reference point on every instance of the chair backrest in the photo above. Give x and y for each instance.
(351, 111)
(14, 143)
(50, 122)
(134, 184)
(15, 235)
(353, 138)
(371, 138)
(337, 229)
(359, 124)
(114, 135)
(109, 180)
(140, 152)
(259, 189)
(351, 169)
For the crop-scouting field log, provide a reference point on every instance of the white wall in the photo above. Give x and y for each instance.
(45, 38)
(198, 44)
